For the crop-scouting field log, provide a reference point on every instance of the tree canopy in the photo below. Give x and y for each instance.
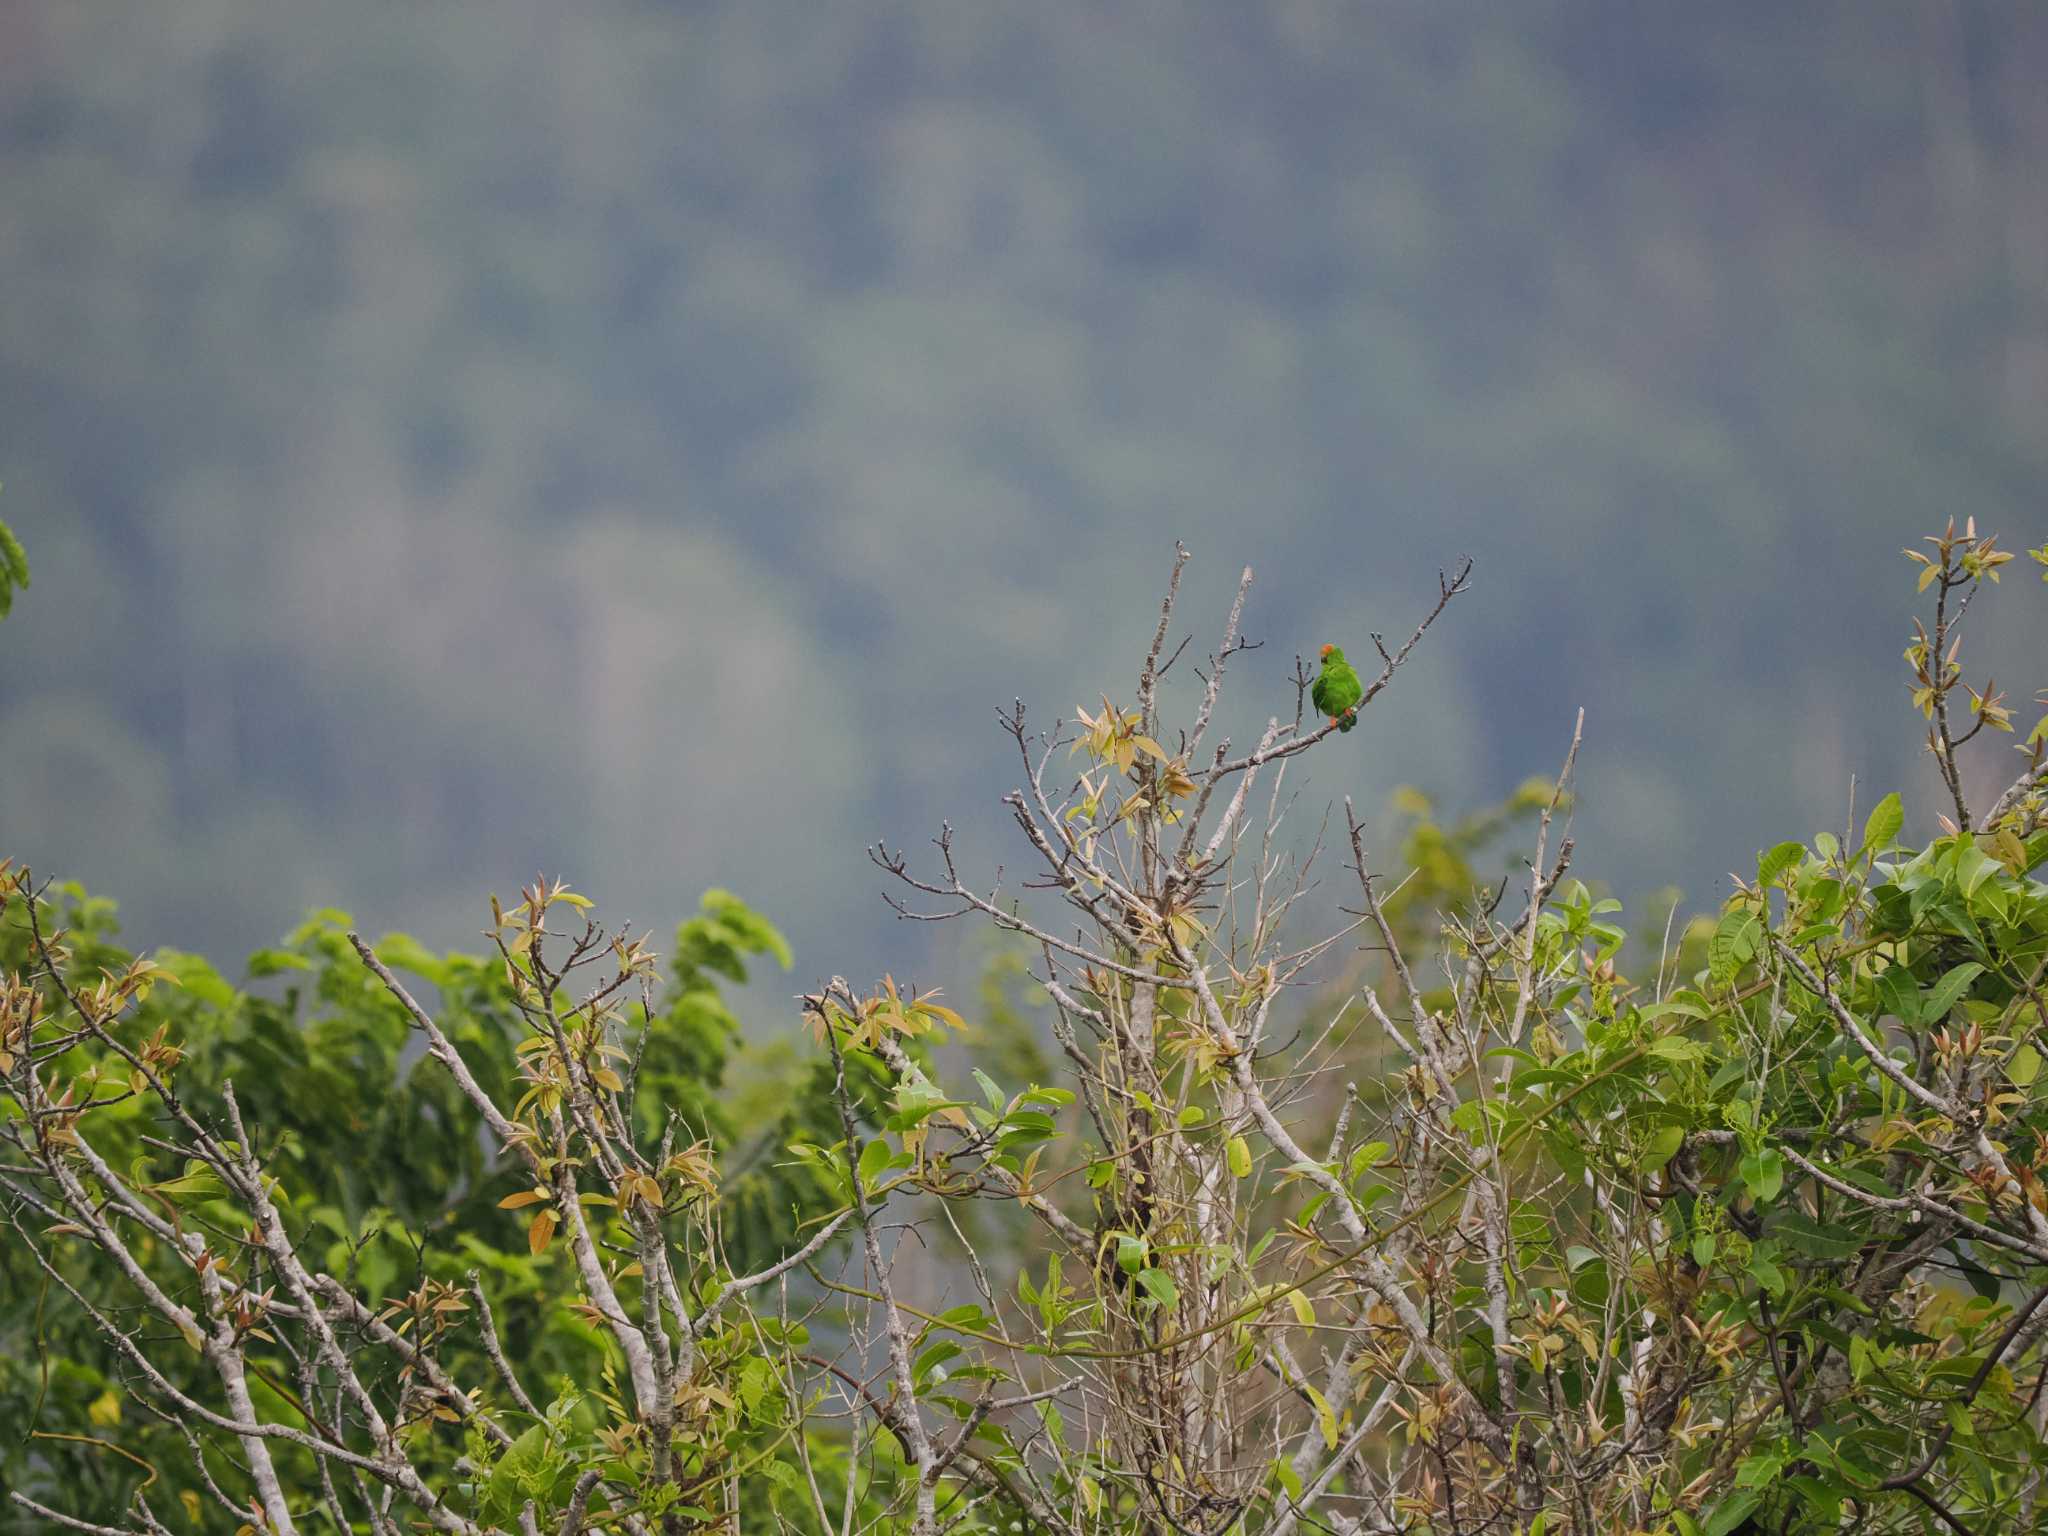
(1452, 1209)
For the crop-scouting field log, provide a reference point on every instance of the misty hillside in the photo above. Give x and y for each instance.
(647, 441)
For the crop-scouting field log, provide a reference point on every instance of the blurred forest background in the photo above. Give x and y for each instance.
(645, 441)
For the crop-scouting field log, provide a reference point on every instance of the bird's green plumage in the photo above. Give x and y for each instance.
(1337, 689)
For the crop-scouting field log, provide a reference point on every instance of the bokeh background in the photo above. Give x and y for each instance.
(645, 441)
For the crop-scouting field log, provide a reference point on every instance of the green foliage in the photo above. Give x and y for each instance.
(1793, 1174)
(380, 1162)
(13, 568)
(1741, 1228)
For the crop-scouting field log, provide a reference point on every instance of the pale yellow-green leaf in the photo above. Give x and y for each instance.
(1325, 1419)
(1240, 1154)
(2024, 1067)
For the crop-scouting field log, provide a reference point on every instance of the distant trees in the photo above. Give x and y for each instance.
(1449, 1215)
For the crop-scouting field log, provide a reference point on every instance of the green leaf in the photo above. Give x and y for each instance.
(1055, 1423)
(1240, 1154)
(1770, 866)
(1365, 1158)
(1973, 867)
(13, 559)
(1158, 1284)
(1946, 991)
(1661, 1010)
(1663, 1146)
(1764, 1173)
(757, 1375)
(1801, 1231)
(1898, 996)
(1325, 1419)
(1882, 827)
(917, 1100)
(874, 1161)
(1733, 944)
(787, 1480)
(199, 1183)
(1676, 1048)
(926, 1363)
(1980, 1279)
(1819, 1497)
(2024, 1066)
(521, 1474)
(1591, 1284)
(1759, 1469)
(1283, 1469)
(1731, 1512)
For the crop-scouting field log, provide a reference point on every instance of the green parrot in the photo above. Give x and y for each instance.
(1337, 690)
